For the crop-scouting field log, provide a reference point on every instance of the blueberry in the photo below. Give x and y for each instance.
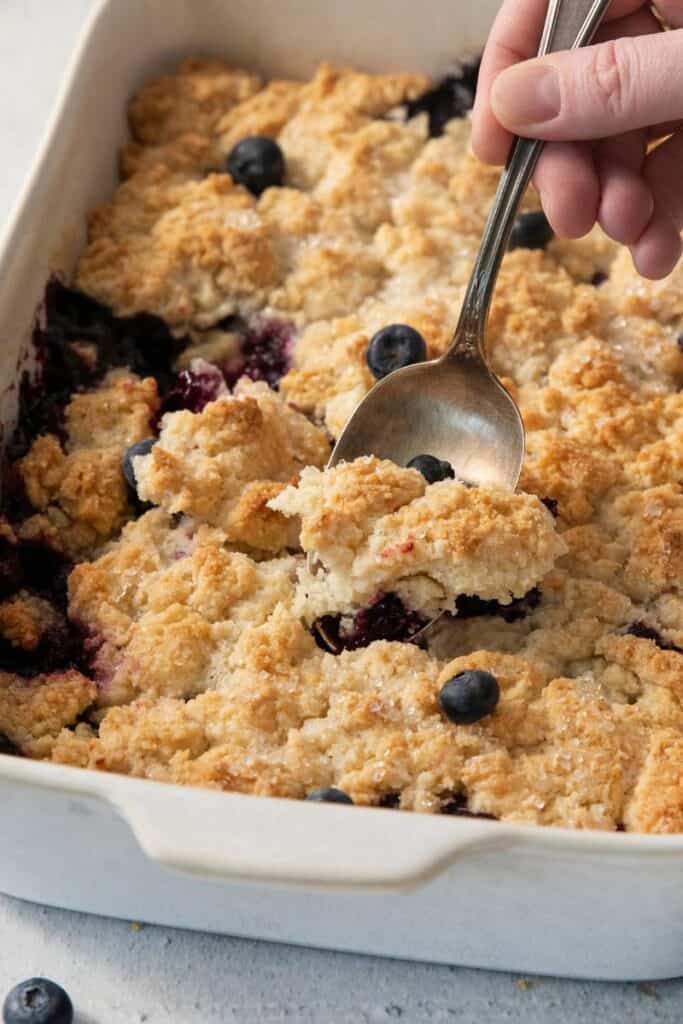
(469, 696)
(393, 347)
(531, 231)
(598, 278)
(552, 505)
(139, 448)
(37, 1001)
(257, 163)
(7, 747)
(432, 469)
(329, 795)
(452, 98)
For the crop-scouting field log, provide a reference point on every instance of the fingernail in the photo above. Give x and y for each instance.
(525, 95)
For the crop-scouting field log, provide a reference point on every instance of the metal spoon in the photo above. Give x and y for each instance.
(455, 407)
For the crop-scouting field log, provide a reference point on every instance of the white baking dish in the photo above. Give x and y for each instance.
(436, 888)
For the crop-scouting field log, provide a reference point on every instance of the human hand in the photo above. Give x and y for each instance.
(600, 108)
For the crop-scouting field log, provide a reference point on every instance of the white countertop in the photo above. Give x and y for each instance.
(117, 975)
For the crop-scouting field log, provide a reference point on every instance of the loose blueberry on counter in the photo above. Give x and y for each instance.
(329, 795)
(432, 469)
(37, 1001)
(452, 98)
(139, 448)
(531, 231)
(258, 163)
(7, 747)
(469, 696)
(394, 347)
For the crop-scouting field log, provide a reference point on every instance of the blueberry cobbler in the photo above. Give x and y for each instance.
(272, 250)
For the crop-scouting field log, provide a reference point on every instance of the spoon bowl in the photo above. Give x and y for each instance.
(455, 410)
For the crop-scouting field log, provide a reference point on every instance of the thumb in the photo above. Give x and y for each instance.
(596, 92)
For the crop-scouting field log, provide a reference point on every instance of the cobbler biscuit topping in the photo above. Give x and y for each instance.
(272, 250)
(377, 528)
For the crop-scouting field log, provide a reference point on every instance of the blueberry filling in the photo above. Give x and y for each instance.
(41, 571)
(394, 347)
(644, 632)
(432, 469)
(387, 618)
(457, 806)
(37, 1001)
(264, 352)
(469, 696)
(452, 98)
(329, 795)
(531, 231)
(71, 320)
(11, 569)
(598, 278)
(552, 505)
(258, 163)
(471, 607)
(7, 747)
(392, 801)
(193, 390)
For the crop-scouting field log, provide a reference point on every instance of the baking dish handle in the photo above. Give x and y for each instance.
(239, 837)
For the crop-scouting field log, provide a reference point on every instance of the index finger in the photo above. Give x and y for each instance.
(514, 37)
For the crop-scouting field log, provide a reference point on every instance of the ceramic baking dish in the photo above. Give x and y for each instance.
(446, 889)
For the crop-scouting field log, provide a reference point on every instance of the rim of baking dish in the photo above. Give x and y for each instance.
(192, 830)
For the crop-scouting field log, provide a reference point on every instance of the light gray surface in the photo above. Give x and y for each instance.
(117, 975)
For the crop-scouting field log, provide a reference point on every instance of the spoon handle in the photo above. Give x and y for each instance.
(569, 24)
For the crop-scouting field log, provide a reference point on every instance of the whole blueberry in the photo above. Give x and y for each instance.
(531, 231)
(393, 347)
(432, 469)
(469, 696)
(139, 448)
(329, 795)
(257, 163)
(37, 1001)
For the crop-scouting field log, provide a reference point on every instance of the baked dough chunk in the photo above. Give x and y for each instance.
(224, 465)
(378, 528)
